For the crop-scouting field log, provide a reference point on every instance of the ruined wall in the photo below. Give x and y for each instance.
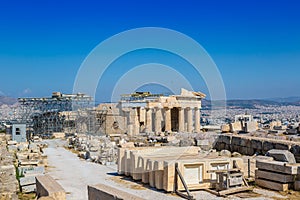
(114, 120)
(8, 183)
(250, 145)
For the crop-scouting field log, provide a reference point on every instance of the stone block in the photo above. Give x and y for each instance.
(297, 185)
(23, 171)
(268, 146)
(12, 142)
(8, 181)
(281, 146)
(250, 151)
(277, 166)
(195, 172)
(47, 186)
(186, 143)
(235, 148)
(225, 128)
(28, 188)
(242, 150)
(101, 191)
(272, 185)
(158, 173)
(220, 146)
(22, 146)
(29, 180)
(226, 139)
(236, 126)
(282, 155)
(28, 163)
(228, 147)
(137, 164)
(236, 141)
(22, 156)
(202, 142)
(274, 176)
(256, 144)
(295, 149)
(12, 148)
(245, 142)
(150, 168)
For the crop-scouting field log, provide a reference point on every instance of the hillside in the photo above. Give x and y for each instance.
(7, 100)
(248, 104)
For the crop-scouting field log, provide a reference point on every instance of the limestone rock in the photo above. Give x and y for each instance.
(225, 153)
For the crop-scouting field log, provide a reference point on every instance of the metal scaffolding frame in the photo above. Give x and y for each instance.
(44, 116)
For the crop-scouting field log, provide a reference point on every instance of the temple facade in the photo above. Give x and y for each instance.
(146, 113)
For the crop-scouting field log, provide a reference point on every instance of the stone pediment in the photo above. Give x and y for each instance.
(187, 93)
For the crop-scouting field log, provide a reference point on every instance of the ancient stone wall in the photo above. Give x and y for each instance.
(248, 145)
(8, 183)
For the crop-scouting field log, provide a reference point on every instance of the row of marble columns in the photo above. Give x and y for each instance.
(188, 120)
(191, 127)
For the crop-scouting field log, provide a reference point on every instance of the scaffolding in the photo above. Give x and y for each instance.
(45, 116)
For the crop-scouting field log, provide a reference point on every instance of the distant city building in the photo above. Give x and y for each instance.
(242, 124)
(18, 132)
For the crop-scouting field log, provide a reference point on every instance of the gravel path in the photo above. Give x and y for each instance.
(75, 174)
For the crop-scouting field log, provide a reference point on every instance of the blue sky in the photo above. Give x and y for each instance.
(255, 44)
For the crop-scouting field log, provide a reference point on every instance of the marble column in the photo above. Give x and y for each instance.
(149, 120)
(136, 123)
(142, 114)
(130, 122)
(157, 120)
(181, 120)
(189, 120)
(168, 120)
(142, 120)
(197, 120)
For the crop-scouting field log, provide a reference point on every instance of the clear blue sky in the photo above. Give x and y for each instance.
(255, 43)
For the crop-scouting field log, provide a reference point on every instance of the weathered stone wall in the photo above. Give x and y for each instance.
(248, 145)
(8, 182)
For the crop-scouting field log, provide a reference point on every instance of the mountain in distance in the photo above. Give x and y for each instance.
(252, 103)
(7, 100)
(285, 99)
